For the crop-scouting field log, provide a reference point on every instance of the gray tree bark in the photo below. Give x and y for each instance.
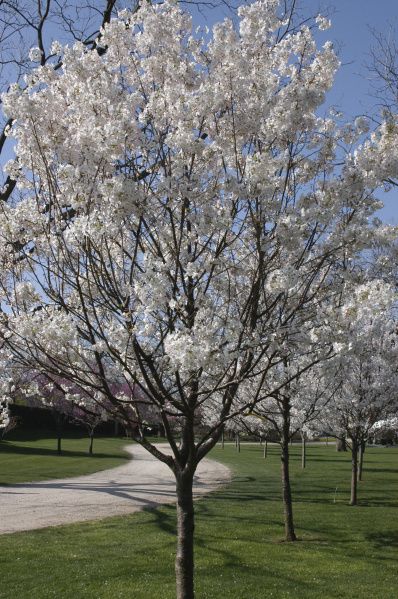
(341, 445)
(265, 448)
(303, 451)
(184, 564)
(354, 473)
(362, 447)
(90, 449)
(290, 534)
(59, 431)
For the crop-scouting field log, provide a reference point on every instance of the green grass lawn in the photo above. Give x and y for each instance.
(344, 552)
(36, 459)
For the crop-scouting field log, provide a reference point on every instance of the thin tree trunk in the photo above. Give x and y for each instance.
(184, 563)
(354, 473)
(303, 451)
(265, 448)
(290, 535)
(222, 439)
(58, 428)
(90, 449)
(360, 464)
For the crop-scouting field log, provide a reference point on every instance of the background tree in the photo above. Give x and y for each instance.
(41, 392)
(4, 415)
(386, 428)
(90, 415)
(367, 370)
(291, 409)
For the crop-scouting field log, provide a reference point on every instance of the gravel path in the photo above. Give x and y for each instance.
(142, 482)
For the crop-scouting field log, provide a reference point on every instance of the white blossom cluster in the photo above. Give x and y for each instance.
(184, 212)
(366, 362)
(4, 414)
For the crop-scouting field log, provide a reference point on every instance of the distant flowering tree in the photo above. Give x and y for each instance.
(90, 411)
(182, 211)
(296, 392)
(71, 403)
(367, 370)
(41, 392)
(90, 415)
(11, 382)
(386, 428)
(4, 415)
(251, 425)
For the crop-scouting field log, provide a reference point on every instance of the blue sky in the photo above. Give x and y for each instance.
(351, 33)
(352, 22)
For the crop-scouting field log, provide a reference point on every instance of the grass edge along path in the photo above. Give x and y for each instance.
(344, 552)
(36, 459)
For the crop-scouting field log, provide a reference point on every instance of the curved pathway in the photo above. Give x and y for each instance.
(142, 482)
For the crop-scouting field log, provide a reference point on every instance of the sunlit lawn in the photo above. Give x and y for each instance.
(344, 552)
(33, 458)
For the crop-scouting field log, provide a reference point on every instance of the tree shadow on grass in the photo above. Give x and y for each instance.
(310, 459)
(380, 503)
(392, 470)
(164, 518)
(384, 539)
(6, 447)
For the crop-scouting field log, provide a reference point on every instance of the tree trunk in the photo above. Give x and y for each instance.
(90, 449)
(222, 439)
(360, 465)
(341, 444)
(290, 535)
(303, 451)
(184, 564)
(354, 472)
(58, 427)
(265, 448)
